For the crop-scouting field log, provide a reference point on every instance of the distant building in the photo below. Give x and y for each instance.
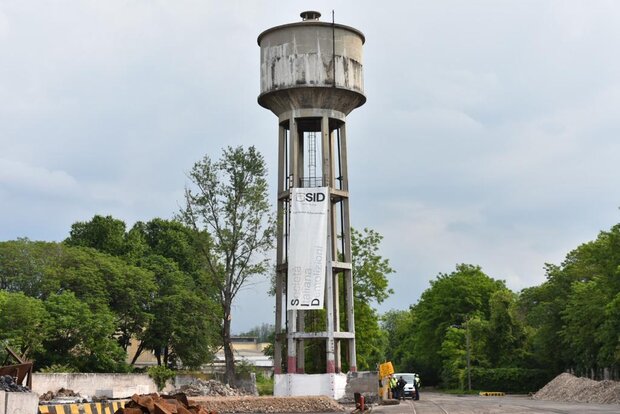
(245, 348)
(248, 349)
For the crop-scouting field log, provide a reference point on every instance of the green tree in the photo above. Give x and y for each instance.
(397, 327)
(452, 299)
(183, 318)
(576, 307)
(80, 338)
(370, 286)
(106, 283)
(506, 336)
(229, 207)
(25, 266)
(22, 323)
(583, 317)
(370, 270)
(161, 282)
(105, 234)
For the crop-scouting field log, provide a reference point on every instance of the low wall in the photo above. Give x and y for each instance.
(96, 385)
(331, 385)
(18, 403)
(118, 385)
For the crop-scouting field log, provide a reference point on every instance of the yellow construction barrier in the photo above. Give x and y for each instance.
(86, 408)
(492, 394)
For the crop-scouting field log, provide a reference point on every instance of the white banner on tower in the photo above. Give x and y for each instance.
(307, 249)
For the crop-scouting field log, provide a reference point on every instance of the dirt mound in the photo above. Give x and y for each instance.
(249, 404)
(209, 388)
(567, 387)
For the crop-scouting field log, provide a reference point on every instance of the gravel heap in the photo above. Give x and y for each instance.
(7, 383)
(567, 387)
(209, 388)
(247, 404)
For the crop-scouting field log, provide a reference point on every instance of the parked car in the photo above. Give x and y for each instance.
(409, 391)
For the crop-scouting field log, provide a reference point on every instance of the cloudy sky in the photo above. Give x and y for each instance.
(490, 135)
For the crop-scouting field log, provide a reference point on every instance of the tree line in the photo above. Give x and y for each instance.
(571, 322)
(75, 305)
(167, 284)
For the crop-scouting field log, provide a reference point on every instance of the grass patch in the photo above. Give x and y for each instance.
(264, 385)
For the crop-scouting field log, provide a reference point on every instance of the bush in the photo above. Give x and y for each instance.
(161, 374)
(264, 384)
(58, 368)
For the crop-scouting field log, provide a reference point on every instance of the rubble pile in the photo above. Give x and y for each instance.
(567, 387)
(248, 404)
(161, 404)
(212, 388)
(63, 392)
(7, 383)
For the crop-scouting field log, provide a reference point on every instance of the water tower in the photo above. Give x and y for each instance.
(311, 79)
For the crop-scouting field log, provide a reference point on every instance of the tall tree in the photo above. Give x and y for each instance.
(105, 234)
(506, 333)
(452, 299)
(25, 265)
(183, 325)
(370, 287)
(229, 205)
(154, 282)
(396, 325)
(577, 307)
(80, 338)
(22, 322)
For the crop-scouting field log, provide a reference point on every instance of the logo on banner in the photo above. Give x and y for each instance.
(310, 197)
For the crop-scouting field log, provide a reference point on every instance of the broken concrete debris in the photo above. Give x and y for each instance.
(8, 384)
(161, 404)
(212, 388)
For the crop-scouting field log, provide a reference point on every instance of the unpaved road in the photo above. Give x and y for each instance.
(437, 403)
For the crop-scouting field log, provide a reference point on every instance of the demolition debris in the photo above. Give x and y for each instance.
(8, 384)
(211, 388)
(161, 404)
(63, 395)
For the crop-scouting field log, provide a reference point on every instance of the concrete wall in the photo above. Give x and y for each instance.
(364, 382)
(109, 385)
(18, 403)
(331, 385)
(118, 385)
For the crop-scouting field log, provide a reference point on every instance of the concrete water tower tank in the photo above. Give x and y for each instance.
(311, 78)
(311, 64)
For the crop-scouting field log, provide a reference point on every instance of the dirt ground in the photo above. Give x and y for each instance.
(249, 404)
(564, 388)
